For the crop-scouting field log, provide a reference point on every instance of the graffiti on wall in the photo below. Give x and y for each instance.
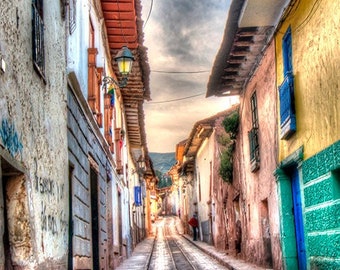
(10, 138)
(53, 219)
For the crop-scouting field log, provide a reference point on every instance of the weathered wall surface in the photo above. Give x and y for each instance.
(316, 50)
(86, 138)
(87, 152)
(204, 161)
(33, 132)
(223, 194)
(322, 193)
(258, 200)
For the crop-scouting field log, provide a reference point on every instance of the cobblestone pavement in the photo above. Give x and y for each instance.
(168, 238)
(201, 254)
(161, 258)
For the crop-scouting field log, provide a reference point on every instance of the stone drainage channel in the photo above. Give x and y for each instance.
(172, 251)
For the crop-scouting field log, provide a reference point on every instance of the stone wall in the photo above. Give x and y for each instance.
(33, 134)
(89, 166)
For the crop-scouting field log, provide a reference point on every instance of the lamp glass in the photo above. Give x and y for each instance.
(124, 59)
(124, 65)
(141, 163)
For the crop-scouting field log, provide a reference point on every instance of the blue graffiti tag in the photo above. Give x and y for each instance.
(10, 137)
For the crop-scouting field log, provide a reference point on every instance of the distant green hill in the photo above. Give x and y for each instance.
(162, 161)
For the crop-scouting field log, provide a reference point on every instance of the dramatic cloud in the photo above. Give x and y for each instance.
(181, 36)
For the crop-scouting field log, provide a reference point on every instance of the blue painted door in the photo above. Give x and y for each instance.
(298, 220)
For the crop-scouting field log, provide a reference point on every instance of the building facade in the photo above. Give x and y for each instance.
(103, 153)
(245, 66)
(308, 169)
(196, 175)
(33, 138)
(68, 137)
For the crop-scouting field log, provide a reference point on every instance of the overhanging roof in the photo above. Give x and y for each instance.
(124, 26)
(249, 26)
(201, 130)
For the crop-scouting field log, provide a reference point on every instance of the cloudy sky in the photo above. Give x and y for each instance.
(181, 36)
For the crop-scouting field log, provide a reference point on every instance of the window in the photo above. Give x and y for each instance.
(38, 37)
(94, 80)
(286, 90)
(253, 135)
(72, 16)
(118, 149)
(108, 118)
(254, 116)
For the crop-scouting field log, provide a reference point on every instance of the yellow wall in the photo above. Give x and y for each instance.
(316, 67)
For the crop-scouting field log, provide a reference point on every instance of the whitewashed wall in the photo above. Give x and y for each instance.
(33, 133)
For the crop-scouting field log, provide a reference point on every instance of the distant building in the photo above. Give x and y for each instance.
(197, 181)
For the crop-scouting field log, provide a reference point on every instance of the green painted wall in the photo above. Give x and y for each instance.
(320, 192)
(321, 184)
(315, 147)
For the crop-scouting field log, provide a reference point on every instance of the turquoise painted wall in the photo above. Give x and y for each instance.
(321, 185)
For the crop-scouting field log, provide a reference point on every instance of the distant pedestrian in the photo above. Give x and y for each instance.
(193, 222)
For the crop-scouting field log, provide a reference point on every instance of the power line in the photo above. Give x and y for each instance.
(120, 23)
(172, 100)
(149, 14)
(309, 16)
(180, 72)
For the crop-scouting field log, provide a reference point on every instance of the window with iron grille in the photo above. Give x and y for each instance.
(38, 37)
(253, 135)
(286, 90)
(72, 16)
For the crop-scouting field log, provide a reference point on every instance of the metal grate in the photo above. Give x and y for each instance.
(72, 16)
(38, 41)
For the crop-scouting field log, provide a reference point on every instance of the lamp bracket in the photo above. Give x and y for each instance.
(109, 80)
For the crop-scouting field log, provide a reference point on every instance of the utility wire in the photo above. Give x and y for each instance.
(120, 23)
(149, 14)
(172, 100)
(180, 72)
(309, 16)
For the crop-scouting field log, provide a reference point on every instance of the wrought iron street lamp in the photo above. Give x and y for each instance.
(141, 164)
(124, 59)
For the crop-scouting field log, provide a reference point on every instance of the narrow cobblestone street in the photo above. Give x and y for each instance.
(163, 135)
(154, 252)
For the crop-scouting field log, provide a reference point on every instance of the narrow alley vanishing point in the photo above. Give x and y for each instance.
(78, 189)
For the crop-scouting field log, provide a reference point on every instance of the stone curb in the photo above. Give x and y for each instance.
(237, 264)
(211, 254)
(147, 263)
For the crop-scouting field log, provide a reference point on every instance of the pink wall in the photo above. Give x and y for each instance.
(252, 197)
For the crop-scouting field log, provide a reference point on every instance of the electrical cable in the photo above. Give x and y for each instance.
(149, 14)
(172, 100)
(120, 23)
(309, 16)
(180, 72)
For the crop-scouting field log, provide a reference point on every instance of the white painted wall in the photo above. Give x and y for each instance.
(36, 112)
